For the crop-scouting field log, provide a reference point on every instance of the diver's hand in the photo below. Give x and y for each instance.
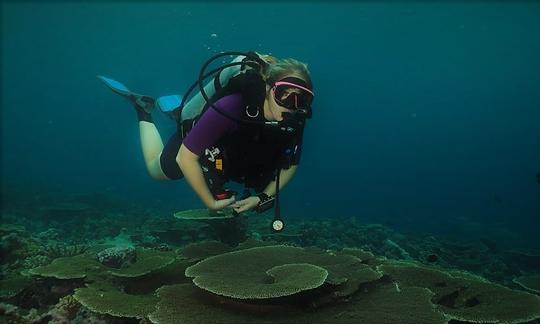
(246, 204)
(222, 203)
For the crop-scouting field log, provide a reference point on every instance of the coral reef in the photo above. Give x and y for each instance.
(102, 262)
(65, 310)
(83, 265)
(529, 282)
(429, 295)
(257, 273)
(263, 283)
(464, 297)
(75, 267)
(186, 304)
(116, 303)
(117, 257)
(13, 284)
(201, 250)
(58, 250)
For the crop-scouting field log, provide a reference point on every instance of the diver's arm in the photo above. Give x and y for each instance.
(284, 178)
(252, 202)
(189, 164)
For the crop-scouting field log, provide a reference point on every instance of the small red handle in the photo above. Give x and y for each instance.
(223, 195)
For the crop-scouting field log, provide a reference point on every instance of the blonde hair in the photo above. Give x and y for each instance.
(280, 68)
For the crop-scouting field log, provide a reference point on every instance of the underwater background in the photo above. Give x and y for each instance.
(426, 116)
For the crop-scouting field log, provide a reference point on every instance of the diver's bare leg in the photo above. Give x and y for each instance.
(152, 145)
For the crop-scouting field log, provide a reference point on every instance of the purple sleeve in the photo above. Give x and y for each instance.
(212, 125)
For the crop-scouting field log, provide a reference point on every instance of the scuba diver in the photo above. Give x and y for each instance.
(246, 125)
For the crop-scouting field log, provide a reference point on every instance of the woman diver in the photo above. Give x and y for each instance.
(246, 126)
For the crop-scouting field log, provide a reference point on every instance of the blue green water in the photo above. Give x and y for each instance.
(426, 117)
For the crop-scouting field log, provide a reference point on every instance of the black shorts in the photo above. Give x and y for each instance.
(170, 167)
(167, 160)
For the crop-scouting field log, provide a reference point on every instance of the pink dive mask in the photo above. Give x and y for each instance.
(292, 93)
